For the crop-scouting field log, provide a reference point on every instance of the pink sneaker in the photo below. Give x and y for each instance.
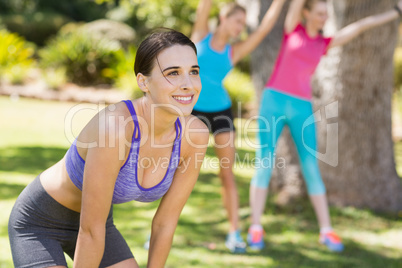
(255, 238)
(332, 241)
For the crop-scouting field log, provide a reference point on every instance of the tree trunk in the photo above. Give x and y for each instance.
(360, 77)
(352, 99)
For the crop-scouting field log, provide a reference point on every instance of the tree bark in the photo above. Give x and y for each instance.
(352, 89)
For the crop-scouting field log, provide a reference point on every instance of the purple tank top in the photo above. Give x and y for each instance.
(127, 187)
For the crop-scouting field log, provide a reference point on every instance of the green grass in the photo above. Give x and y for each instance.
(397, 103)
(32, 137)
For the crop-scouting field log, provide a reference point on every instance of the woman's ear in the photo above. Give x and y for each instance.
(142, 82)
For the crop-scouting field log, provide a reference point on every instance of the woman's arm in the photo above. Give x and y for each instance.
(194, 145)
(102, 165)
(242, 49)
(294, 15)
(200, 28)
(351, 31)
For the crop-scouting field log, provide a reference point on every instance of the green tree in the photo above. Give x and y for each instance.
(144, 15)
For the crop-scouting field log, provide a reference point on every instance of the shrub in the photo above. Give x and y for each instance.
(241, 90)
(15, 57)
(78, 10)
(36, 27)
(16, 74)
(398, 68)
(123, 72)
(111, 30)
(128, 83)
(86, 59)
(55, 78)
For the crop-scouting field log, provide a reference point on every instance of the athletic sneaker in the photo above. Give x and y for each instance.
(235, 243)
(332, 241)
(255, 237)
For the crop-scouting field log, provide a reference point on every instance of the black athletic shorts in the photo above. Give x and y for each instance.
(217, 122)
(41, 229)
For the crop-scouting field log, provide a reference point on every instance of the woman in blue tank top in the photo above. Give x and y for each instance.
(139, 150)
(217, 56)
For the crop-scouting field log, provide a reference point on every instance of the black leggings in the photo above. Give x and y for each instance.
(41, 229)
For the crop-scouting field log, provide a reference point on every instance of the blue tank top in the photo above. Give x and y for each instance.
(214, 68)
(127, 187)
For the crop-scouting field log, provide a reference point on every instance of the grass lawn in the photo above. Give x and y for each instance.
(397, 109)
(33, 136)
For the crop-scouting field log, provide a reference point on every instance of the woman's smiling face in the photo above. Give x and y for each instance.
(174, 80)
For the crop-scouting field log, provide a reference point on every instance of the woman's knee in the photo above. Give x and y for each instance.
(227, 176)
(316, 187)
(261, 178)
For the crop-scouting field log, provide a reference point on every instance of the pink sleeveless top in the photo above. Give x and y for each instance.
(298, 58)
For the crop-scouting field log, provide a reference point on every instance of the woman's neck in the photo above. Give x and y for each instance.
(311, 30)
(220, 38)
(158, 120)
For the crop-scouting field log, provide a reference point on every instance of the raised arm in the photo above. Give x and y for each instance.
(165, 221)
(294, 15)
(351, 31)
(243, 48)
(102, 164)
(200, 28)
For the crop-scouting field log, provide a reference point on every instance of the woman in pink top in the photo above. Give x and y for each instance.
(287, 100)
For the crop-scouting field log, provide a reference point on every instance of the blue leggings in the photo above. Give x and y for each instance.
(276, 110)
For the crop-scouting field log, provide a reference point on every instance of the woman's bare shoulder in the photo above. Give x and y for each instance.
(195, 133)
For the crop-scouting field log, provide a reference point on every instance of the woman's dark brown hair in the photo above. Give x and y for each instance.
(154, 44)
